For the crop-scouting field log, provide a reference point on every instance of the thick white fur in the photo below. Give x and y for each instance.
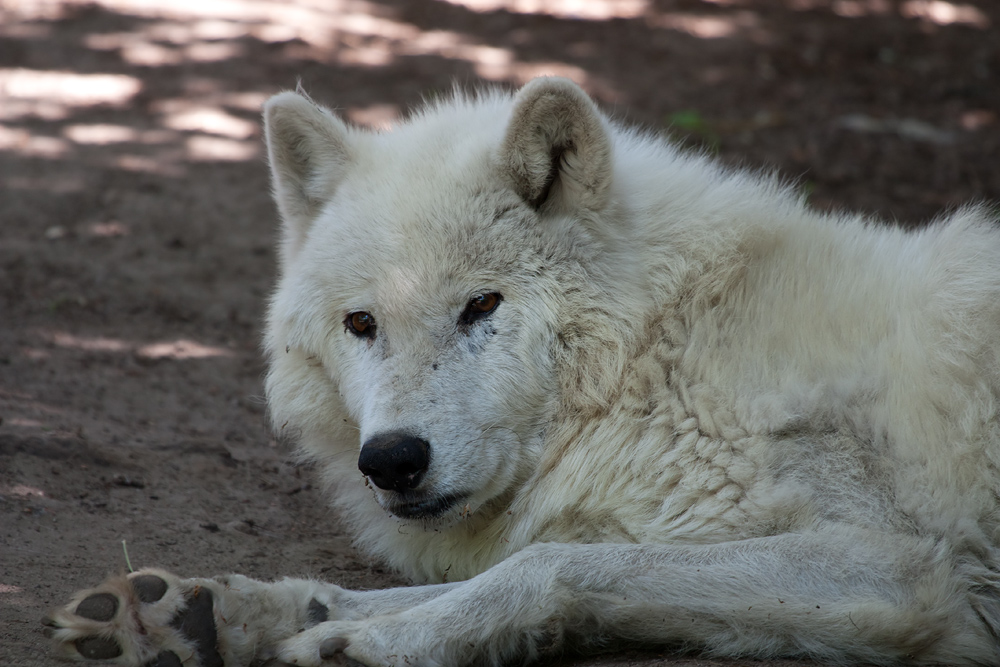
(702, 415)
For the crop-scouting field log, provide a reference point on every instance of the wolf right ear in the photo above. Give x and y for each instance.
(309, 153)
(557, 153)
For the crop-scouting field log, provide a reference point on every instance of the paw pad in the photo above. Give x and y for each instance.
(317, 612)
(148, 619)
(149, 587)
(98, 607)
(164, 659)
(197, 623)
(98, 648)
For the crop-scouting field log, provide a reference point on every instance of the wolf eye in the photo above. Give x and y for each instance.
(480, 306)
(361, 324)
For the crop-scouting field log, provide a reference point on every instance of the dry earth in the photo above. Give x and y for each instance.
(136, 229)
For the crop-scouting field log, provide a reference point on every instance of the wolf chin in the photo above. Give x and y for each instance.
(594, 391)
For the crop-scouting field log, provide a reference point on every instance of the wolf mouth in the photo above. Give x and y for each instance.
(426, 508)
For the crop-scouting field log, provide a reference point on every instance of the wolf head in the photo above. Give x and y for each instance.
(420, 330)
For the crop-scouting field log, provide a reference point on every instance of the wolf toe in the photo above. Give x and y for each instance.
(342, 644)
(150, 618)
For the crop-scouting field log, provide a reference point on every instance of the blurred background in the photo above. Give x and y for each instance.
(136, 227)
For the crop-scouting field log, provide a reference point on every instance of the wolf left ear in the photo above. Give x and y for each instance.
(557, 153)
(309, 154)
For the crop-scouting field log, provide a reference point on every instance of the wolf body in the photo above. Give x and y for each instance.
(604, 392)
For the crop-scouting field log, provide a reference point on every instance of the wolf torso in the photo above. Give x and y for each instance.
(728, 365)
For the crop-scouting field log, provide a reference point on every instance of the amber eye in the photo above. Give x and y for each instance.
(480, 306)
(484, 303)
(361, 324)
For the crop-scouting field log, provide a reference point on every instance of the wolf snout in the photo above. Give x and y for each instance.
(395, 461)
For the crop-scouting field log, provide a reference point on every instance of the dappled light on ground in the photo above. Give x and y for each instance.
(53, 95)
(180, 349)
(595, 10)
(91, 344)
(102, 133)
(22, 490)
(937, 12)
(945, 13)
(204, 123)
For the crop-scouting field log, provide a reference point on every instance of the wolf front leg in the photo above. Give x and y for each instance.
(840, 595)
(156, 619)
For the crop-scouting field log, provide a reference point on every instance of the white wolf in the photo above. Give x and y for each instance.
(607, 393)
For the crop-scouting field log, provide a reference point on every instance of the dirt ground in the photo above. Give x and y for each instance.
(136, 229)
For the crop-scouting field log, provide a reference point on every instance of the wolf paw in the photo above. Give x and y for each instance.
(327, 644)
(149, 618)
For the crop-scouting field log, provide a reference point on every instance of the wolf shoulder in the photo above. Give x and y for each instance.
(782, 319)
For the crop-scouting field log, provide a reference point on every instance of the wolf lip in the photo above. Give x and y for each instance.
(428, 508)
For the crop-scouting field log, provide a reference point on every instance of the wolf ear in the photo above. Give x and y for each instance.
(557, 152)
(308, 151)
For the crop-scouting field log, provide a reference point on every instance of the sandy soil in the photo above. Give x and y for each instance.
(136, 230)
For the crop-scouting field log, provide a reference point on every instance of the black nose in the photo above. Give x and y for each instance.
(395, 461)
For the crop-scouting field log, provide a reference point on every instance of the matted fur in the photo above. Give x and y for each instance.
(701, 415)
